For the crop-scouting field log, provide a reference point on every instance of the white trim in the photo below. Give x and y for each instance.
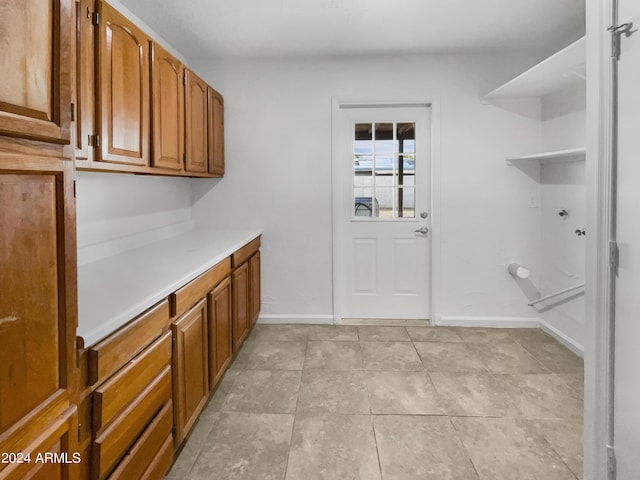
(435, 107)
(489, 322)
(567, 341)
(302, 319)
(597, 396)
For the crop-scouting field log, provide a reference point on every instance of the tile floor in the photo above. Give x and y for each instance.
(307, 402)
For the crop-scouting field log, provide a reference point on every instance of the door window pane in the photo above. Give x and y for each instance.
(384, 156)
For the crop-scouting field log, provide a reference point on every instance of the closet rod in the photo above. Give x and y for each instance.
(567, 290)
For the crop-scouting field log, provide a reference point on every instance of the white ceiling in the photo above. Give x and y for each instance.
(247, 28)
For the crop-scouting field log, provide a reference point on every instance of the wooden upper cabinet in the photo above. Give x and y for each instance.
(84, 85)
(167, 93)
(123, 90)
(196, 113)
(35, 101)
(216, 133)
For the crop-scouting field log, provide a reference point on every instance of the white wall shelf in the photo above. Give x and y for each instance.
(560, 70)
(558, 156)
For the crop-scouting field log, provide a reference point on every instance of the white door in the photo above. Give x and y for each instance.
(627, 306)
(381, 209)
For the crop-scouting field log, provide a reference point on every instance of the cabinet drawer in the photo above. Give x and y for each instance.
(114, 441)
(111, 354)
(124, 386)
(161, 463)
(242, 255)
(149, 445)
(187, 296)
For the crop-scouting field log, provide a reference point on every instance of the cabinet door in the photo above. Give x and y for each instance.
(35, 100)
(84, 86)
(38, 297)
(220, 340)
(216, 133)
(240, 291)
(53, 454)
(196, 124)
(167, 93)
(123, 90)
(190, 368)
(254, 292)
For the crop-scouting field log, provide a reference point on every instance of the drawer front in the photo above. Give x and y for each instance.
(120, 390)
(149, 445)
(111, 354)
(242, 255)
(114, 441)
(187, 296)
(161, 463)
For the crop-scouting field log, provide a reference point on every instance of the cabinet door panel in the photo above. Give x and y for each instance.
(167, 110)
(216, 133)
(254, 297)
(123, 90)
(220, 340)
(190, 368)
(35, 86)
(33, 321)
(240, 291)
(196, 124)
(84, 95)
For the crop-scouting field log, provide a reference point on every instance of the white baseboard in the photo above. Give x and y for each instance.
(571, 344)
(514, 322)
(303, 319)
(489, 322)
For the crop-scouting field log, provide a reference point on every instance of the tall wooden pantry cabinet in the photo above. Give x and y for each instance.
(37, 242)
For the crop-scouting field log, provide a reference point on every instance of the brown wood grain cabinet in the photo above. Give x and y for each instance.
(220, 339)
(254, 285)
(122, 90)
(196, 121)
(132, 408)
(167, 94)
(38, 306)
(36, 70)
(190, 367)
(215, 132)
(84, 83)
(240, 289)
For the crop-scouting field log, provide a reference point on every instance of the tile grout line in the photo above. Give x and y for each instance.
(375, 439)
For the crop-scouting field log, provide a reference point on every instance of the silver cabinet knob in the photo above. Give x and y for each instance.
(423, 230)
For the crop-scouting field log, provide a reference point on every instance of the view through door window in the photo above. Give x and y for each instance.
(384, 157)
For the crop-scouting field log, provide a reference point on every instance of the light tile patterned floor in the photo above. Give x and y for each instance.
(311, 402)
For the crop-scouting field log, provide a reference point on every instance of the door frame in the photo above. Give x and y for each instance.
(599, 345)
(337, 103)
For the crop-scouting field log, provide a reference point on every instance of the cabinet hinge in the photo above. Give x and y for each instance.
(95, 18)
(184, 78)
(73, 112)
(94, 140)
(74, 189)
(614, 257)
(611, 461)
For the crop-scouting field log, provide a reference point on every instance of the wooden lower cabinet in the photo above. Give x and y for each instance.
(254, 287)
(220, 339)
(190, 368)
(132, 410)
(240, 290)
(51, 456)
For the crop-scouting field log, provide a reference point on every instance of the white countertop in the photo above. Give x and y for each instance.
(114, 290)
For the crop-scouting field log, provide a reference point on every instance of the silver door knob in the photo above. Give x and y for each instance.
(423, 230)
